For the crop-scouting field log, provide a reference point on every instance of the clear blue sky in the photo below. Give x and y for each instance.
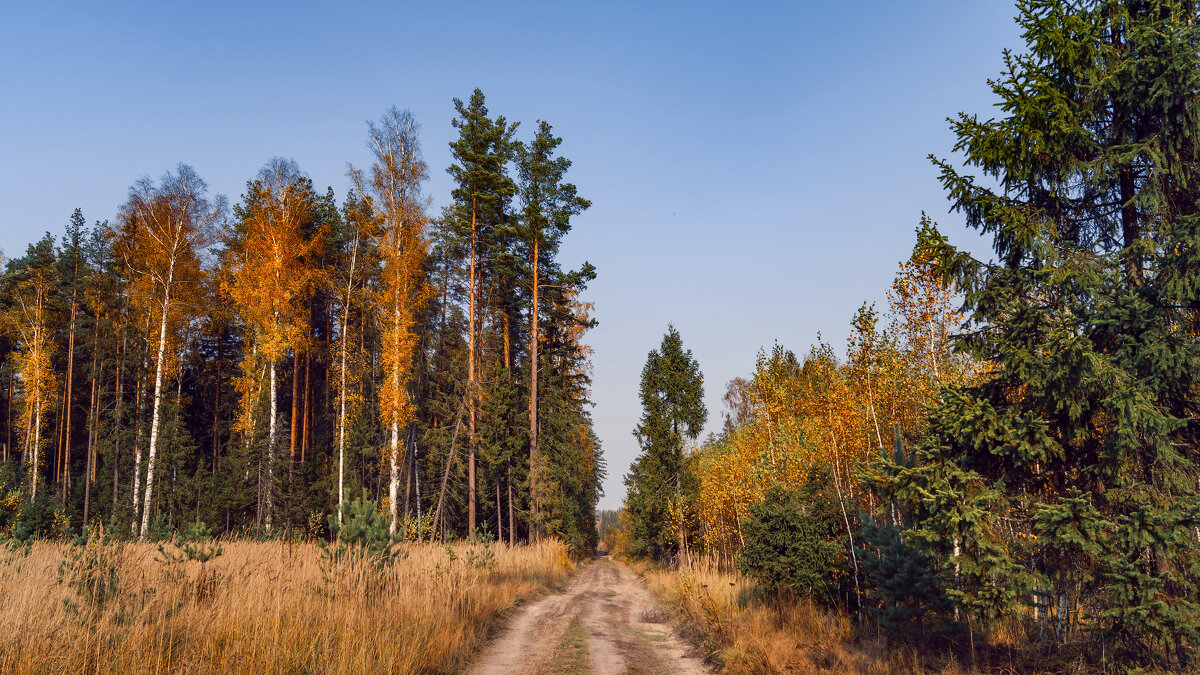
(756, 169)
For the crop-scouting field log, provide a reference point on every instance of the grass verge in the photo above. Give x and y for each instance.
(259, 607)
(740, 632)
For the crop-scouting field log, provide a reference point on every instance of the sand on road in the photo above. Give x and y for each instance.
(605, 622)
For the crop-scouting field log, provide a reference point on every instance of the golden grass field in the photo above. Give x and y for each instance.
(261, 607)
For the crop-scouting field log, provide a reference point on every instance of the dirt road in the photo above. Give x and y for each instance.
(605, 622)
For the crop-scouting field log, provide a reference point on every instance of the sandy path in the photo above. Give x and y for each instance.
(607, 604)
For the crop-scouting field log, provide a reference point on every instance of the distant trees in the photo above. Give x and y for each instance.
(152, 358)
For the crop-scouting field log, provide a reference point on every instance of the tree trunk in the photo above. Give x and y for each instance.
(394, 477)
(93, 415)
(342, 385)
(66, 469)
(216, 428)
(8, 425)
(471, 381)
(154, 422)
(269, 492)
(295, 419)
(137, 443)
(533, 397)
(118, 413)
(37, 428)
(304, 413)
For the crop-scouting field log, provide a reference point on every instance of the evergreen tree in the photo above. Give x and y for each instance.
(548, 205)
(478, 217)
(1068, 476)
(673, 411)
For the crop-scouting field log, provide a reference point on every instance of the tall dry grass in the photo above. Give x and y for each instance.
(261, 608)
(742, 632)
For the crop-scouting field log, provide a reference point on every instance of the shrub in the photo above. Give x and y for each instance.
(90, 570)
(791, 544)
(908, 584)
(363, 533)
(40, 518)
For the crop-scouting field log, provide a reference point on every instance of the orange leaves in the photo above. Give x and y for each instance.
(792, 417)
(271, 272)
(162, 231)
(394, 194)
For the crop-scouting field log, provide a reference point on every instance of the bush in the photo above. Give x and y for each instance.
(40, 518)
(90, 570)
(363, 533)
(791, 544)
(907, 582)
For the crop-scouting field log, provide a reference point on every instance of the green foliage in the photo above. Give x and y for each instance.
(90, 570)
(672, 395)
(160, 529)
(362, 535)
(195, 544)
(40, 518)
(908, 583)
(792, 544)
(1068, 474)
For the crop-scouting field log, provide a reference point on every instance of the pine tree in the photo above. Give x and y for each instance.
(478, 215)
(549, 204)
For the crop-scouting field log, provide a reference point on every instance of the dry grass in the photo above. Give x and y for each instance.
(740, 633)
(262, 608)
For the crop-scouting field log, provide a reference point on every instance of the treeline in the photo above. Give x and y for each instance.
(1026, 473)
(254, 367)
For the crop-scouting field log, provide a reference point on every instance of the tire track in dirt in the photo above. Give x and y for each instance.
(612, 605)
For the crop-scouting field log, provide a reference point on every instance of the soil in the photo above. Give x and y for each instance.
(623, 630)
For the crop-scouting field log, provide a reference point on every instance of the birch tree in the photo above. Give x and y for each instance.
(361, 224)
(270, 280)
(394, 189)
(163, 230)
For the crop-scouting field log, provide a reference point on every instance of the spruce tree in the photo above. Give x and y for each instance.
(673, 411)
(1067, 477)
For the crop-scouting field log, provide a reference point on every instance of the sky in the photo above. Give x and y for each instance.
(756, 169)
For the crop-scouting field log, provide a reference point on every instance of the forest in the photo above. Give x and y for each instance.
(1004, 462)
(358, 434)
(254, 367)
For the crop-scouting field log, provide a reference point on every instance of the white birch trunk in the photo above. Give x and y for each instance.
(394, 482)
(342, 389)
(268, 497)
(37, 440)
(137, 452)
(158, 376)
